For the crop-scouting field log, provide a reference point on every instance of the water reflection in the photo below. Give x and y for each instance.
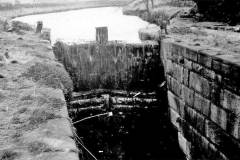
(79, 25)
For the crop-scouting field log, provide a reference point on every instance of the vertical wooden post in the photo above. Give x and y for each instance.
(147, 6)
(6, 25)
(39, 27)
(102, 35)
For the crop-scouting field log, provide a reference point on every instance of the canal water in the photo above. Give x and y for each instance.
(79, 25)
(135, 134)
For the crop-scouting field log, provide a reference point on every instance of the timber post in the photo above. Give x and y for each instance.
(102, 35)
(39, 27)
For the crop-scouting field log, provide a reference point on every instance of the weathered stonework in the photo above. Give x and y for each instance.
(33, 112)
(204, 100)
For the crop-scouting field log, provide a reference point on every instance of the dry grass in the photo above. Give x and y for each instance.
(17, 135)
(181, 3)
(2, 97)
(17, 25)
(219, 41)
(37, 147)
(56, 103)
(50, 75)
(40, 116)
(158, 16)
(22, 110)
(41, 100)
(52, 103)
(8, 155)
(155, 16)
(16, 120)
(27, 98)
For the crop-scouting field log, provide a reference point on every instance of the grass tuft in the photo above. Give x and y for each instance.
(17, 25)
(27, 98)
(22, 110)
(157, 17)
(41, 100)
(56, 103)
(2, 97)
(37, 147)
(50, 75)
(17, 135)
(8, 155)
(40, 116)
(16, 120)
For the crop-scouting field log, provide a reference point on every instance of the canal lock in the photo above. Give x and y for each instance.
(119, 105)
(123, 125)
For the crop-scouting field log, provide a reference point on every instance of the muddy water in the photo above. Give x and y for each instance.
(143, 133)
(79, 25)
(134, 135)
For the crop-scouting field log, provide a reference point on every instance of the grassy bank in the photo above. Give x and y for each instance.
(32, 104)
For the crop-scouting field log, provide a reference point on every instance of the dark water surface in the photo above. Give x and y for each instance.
(136, 134)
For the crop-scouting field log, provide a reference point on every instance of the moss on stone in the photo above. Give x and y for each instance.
(37, 147)
(51, 75)
(40, 116)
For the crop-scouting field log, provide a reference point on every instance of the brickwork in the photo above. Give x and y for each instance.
(204, 100)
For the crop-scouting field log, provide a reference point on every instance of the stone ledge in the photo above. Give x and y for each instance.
(38, 123)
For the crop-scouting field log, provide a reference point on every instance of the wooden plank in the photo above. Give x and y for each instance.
(102, 35)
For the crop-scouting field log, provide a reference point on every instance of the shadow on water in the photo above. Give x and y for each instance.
(136, 134)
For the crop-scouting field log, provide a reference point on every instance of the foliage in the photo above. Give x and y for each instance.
(17, 25)
(180, 3)
(157, 16)
(219, 10)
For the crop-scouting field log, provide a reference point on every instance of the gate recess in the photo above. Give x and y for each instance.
(98, 101)
(112, 65)
(124, 80)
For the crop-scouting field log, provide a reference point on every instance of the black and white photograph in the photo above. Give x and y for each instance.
(119, 80)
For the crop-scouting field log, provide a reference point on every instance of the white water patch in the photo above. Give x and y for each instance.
(79, 25)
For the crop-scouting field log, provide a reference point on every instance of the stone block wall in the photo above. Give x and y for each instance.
(204, 100)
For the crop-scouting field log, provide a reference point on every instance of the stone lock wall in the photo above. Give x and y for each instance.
(204, 100)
